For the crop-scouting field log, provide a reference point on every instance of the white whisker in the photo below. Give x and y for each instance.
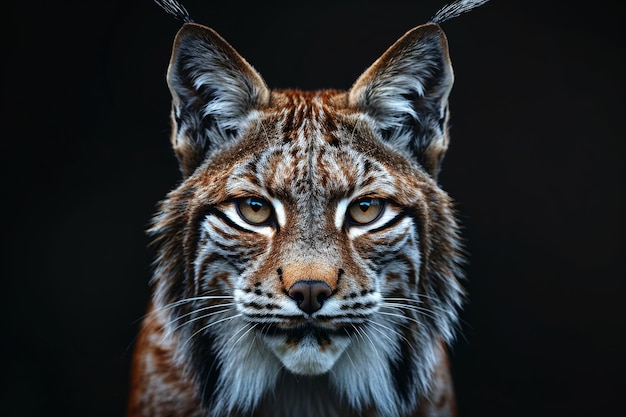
(389, 329)
(166, 307)
(201, 309)
(363, 333)
(253, 340)
(418, 309)
(380, 332)
(233, 345)
(413, 300)
(348, 353)
(203, 316)
(192, 299)
(182, 347)
(411, 319)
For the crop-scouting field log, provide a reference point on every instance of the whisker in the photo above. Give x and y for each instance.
(203, 328)
(202, 309)
(348, 353)
(411, 319)
(429, 312)
(203, 316)
(405, 308)
(234, 344)
(192, 299)
(362, 333)
(413, 300)
(169, 306)
(250, 344)
(394, 331)
(416, 309)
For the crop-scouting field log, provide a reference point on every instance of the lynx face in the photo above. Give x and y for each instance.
(308, 256)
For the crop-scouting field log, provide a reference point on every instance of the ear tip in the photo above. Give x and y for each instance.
(193, 26)
(192, 29)
(430, 29)
(430, 32)
(433, 26)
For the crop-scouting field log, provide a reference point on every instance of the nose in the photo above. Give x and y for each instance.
(310, 295)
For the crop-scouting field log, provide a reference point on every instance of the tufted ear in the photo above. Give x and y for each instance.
(406, 93)
(214, 91)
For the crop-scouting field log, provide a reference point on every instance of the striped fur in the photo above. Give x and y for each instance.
(227, 332)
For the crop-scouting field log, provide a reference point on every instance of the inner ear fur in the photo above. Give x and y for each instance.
(405, 92)
(213, 91)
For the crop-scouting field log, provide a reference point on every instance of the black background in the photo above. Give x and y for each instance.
(536, 165)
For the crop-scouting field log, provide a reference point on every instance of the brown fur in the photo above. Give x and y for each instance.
(328, 145)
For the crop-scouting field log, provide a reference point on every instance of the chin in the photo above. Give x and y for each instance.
(314, 353)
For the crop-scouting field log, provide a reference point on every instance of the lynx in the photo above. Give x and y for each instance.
(308, 263)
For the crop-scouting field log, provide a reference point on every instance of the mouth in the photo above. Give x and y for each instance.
(309, 329)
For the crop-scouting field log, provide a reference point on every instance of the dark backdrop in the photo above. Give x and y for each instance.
(536, 164)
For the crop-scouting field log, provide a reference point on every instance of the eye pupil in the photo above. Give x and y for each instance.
(364, 206)
(255, 205)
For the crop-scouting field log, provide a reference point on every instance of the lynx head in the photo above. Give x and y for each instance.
(309, 235)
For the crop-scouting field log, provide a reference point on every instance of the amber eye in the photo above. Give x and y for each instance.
(366, 210)
(254, 210)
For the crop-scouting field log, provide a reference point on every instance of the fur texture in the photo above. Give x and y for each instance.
(308, 263)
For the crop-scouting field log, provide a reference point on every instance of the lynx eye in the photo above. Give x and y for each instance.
(366, 210)
(254, 210)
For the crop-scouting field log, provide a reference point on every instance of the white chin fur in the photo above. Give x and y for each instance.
(307, 357)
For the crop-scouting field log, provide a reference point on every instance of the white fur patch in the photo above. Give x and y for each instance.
(340, 213)
(279, 211)
(307, 357)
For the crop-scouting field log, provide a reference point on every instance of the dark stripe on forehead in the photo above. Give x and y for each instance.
(313, 107)
(331, 132)
(289, 132)
(299, 106)
(252, 165)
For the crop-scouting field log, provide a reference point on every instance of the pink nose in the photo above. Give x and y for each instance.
(310, 295)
